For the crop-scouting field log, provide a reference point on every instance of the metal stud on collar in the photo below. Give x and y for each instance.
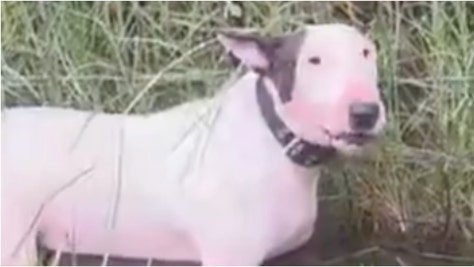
(295, 147)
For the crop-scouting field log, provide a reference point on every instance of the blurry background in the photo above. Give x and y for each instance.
(411, 202)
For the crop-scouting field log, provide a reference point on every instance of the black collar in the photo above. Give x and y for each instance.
(299, 151)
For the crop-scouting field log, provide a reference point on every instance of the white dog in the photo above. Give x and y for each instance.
(232, 188)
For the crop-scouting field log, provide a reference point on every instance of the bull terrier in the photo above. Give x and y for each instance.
(234, 184)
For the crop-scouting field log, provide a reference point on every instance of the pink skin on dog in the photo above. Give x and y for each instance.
(226, 195)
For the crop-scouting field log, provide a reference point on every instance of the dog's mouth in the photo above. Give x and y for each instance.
(354, 138)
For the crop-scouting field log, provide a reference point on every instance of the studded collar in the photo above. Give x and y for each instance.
(299, 151)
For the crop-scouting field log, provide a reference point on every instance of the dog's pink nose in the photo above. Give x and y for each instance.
(363, 115)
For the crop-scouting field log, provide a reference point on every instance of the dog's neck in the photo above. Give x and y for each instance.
(298, 150)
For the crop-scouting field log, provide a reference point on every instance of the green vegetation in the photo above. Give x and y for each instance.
(144, 57)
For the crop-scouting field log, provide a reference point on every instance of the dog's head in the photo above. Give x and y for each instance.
(323, 80)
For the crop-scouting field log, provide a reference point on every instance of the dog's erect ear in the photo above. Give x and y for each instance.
(252, 50)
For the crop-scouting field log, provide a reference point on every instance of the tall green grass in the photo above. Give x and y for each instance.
(141, 58)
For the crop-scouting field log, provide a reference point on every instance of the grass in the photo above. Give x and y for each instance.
(140, 58)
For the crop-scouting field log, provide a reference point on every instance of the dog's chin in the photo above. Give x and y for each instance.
(351, 144)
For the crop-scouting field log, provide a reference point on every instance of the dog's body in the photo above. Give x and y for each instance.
(181, 184)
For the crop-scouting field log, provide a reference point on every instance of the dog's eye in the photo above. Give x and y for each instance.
(315, 60)
(365, 52)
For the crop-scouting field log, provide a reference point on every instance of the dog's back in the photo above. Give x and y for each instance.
(36, 139)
